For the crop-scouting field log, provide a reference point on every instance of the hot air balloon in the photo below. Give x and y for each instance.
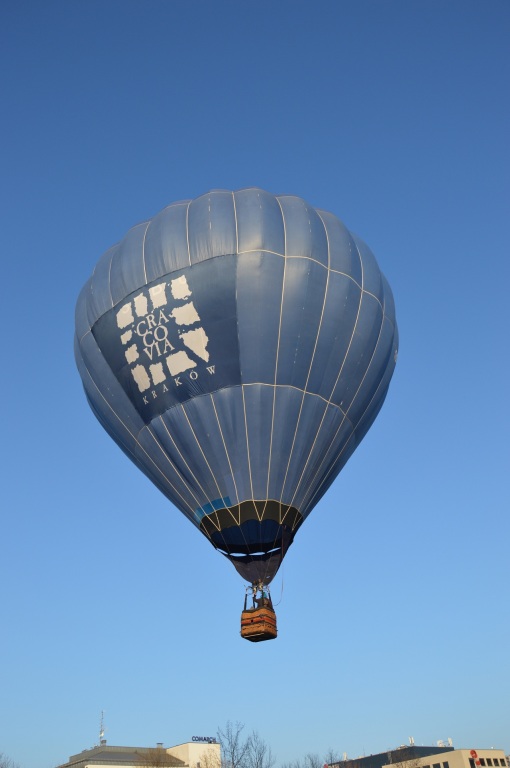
(238, 347)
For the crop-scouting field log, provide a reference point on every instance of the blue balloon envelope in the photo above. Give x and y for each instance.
(238, 347)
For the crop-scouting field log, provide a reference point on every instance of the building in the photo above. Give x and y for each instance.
(201, 752)
(465, 758)
(442, 756)
(400, 755)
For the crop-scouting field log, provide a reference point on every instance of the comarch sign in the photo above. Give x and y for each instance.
(207, 739)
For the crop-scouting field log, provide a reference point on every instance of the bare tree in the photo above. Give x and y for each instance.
(331, 757)
(234, 748)
(6, 762)
(240, 752)
(209, 759)
(312, 760)
(259, 753)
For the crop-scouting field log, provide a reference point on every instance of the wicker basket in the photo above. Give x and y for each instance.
(258, 624)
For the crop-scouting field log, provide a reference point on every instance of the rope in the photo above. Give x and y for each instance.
(281, 590)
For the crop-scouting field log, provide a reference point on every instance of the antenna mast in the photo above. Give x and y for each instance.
(101, 727)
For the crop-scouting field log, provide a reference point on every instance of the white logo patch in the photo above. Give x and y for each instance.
(145, 322)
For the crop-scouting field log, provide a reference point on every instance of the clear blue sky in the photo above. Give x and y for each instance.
(394, 615)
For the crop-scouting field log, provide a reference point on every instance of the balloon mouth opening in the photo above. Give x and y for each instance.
(253, 535)
(251, 554)
(260, 568)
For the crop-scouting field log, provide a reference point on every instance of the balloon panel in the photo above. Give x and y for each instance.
(344, 257)
(302, 302)
(259, 222)
(259, 298)
(305, 237)
(341, 307)
(167, 254)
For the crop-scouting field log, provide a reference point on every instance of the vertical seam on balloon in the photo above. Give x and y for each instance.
(305, 390)
(239, 347)
(354, 426)
(391, 322)
(137, 441)
(187, 231)
(201, 451)
(80, 339)
(276, 377)
(143, 251)
(333, 389)
(277, 356)
(235, 219)
(110, 277)
(248, 448)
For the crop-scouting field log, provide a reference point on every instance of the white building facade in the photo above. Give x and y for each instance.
(457, 758)
(201, 752)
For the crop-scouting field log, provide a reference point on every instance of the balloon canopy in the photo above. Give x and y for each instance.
(238, 347)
